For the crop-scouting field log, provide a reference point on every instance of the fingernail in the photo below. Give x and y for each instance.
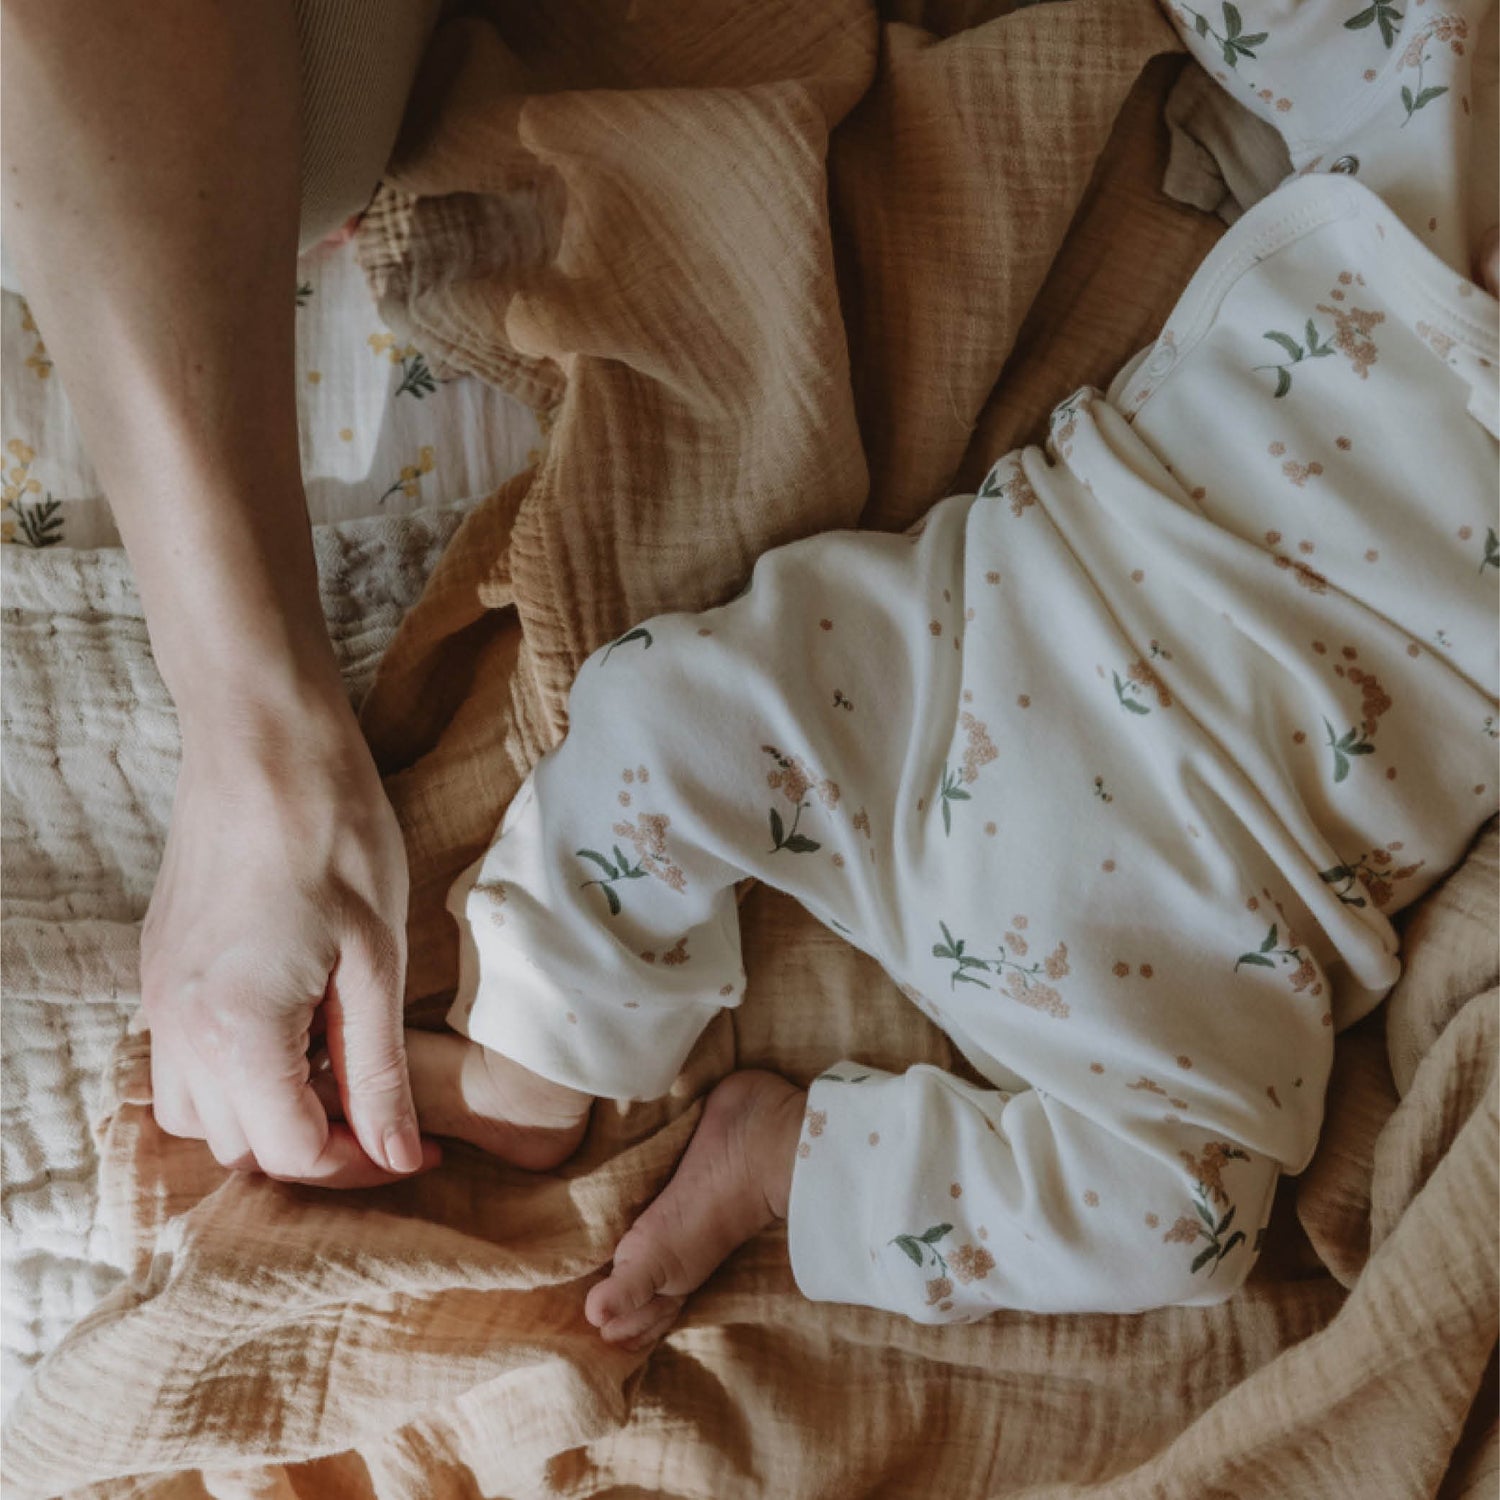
(403, 1148)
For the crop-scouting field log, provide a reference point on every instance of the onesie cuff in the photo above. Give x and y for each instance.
(855, 1121)
(609, 1044)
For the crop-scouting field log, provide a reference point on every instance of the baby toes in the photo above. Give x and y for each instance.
(636, 1329)
(632, 1284)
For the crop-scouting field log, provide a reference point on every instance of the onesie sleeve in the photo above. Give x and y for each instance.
(599, 932)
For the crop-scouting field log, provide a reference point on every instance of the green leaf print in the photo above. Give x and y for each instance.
(952, 791)
(640, 633)
(1217, 1247)
(304, 293)
(39, 522)
(1028, 984)
(623, 870)
(1346, 880)
(1316, 348)
(1352, 743)
(794, 781)
(1234, 42)
(790, 840)
(1419, 98)
(917, 1247)
(416, 378)
(1491, 550)
(1259, 959)
(1301, 972)
(1383, 14)
(1125, 692)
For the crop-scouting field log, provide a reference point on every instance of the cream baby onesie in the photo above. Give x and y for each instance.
(1120, 767)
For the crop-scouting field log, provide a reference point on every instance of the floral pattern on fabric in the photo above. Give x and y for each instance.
(1447, 29)
(1024, 983)
(978, 753)
(30, 523)
(1234, 42)
(794, 781)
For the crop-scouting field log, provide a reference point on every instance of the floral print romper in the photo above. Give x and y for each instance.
(1120, 767)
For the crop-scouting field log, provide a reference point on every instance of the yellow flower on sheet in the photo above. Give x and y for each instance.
(36, 523)
(409, 482)
(38, 359)
(18, 481)
(416, 378)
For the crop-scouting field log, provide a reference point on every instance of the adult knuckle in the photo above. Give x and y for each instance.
(175, 1120)
(287, 1163)
(380, 1076)
(234, 1161)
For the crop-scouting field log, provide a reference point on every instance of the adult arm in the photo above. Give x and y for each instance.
(151, 196)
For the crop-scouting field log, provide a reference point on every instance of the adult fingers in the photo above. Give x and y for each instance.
(292, 1139)
(171, 1099)
(368, 1046)
(221, 1125)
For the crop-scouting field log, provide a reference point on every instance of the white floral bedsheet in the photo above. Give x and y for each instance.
(379, 433)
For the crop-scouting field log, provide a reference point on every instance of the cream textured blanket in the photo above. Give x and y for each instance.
(767, 269)
(90, 761)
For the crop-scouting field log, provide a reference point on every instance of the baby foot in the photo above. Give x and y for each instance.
(734, 1180)
(462, 1089)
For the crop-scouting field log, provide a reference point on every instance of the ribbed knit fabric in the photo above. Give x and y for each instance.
(359, 58)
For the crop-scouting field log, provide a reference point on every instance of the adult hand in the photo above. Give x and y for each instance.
(279, 913)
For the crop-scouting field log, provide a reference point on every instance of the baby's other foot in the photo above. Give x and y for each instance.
(733, 1181)
(462, 1089)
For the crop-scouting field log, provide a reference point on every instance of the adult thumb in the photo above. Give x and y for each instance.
(367, 1046)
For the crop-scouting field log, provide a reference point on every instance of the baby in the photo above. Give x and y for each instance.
(1120, 767)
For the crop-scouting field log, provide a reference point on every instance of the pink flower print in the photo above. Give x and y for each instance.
(1206, 1169)
(1374, 875)
(1018, 491)
(1299, 474)
(649, 836)
(794, 781)
(1183, 1232)
(1055, 965)
(937, 1289)
(1305, 974)
(1439, 343)
(1351, 335)
(980, 750)
(816, 1120)
(1308, 578)
(1035, 995)
(1142, 672)
(970, 1262)
(677, 954)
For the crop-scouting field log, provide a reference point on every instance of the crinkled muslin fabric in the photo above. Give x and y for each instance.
(766, 270)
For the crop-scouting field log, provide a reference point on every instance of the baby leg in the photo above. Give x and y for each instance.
(732, 1182)
(470, 1093)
